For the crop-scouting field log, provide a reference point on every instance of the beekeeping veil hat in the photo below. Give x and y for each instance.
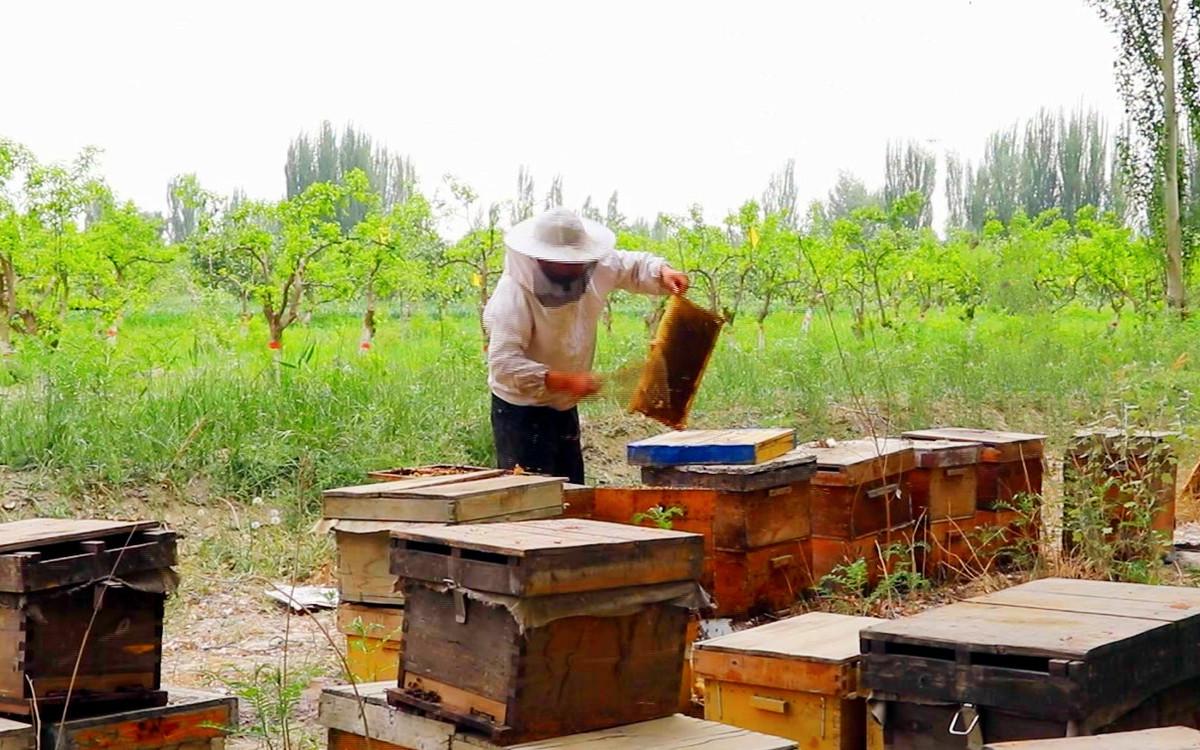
(561, 236)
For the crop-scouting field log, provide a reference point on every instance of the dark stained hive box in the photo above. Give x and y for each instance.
(539, 629)
(755, 521)
(58, 576)
(859, 506)
(1036, 661)
(1117, 469)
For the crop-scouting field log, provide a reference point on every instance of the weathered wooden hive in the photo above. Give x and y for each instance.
(1009, 480)
(796, 678)
(859, 507)
(755, 520)
(545, 628)
(362, 519)
(81, 607)
(1164, 738)
(356, 716)
(943, 488)
(191, 720)
(1128, 474)
(1051, 658)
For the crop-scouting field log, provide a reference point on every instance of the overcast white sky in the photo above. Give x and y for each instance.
(672, 103)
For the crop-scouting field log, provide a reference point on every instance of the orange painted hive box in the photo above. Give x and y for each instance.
(1010, 463)
(191, 720)
(859, 507)
(755, 520)
(525, 631)
(795, 678)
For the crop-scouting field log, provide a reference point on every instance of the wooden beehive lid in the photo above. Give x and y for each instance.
(429, 471)
(981, 628)
(1113, 441)
(945, 453)
(816, 636)
(32, 533)
(676, 732)
(444, 499)
(693, 447)
(15, 735)
(1133, 600)
(1166, 738)
(999, 445)
(858, 461)
(536, 558)
(797, 465)
(815, 653)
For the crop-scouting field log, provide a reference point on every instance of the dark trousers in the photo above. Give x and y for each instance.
(539, 439)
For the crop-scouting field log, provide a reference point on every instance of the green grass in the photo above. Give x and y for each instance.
(191, 399)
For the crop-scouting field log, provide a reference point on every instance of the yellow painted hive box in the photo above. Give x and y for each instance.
(795, 678)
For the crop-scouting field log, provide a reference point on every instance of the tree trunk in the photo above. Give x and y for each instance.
(368, 333)
(8, 304)
(1176, 293)
(5, 335)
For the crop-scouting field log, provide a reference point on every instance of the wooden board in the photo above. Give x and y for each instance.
(679, 354)
(32, 533)
(545, 557)
(339, 740)
(814, 721)
(721, 447)
(942, 453)
(1167, 738)
(855, 462)
(1005, 446)
(445, 502)
(669, 733)
(432, 470)
(943, 493)
(797, 465)
(191, 718)
(367, 713)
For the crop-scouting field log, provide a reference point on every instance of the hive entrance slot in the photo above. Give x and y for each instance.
(1021, 663)
(923, 652)
(487, 557)
(429, 548)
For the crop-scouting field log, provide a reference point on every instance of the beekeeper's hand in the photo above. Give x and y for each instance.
(675, 282)
(577, 384)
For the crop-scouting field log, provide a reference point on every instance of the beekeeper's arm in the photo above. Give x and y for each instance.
(646, 273)
(509, 327)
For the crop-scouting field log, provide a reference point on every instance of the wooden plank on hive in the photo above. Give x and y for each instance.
(797, 465)
(697, 447)
(676, 732)
(815, 636)
(367, 713)
(1165, 603)
(999, 446)
(945, 453)
(987, 628)
(470, 501)
(679, 354)
(15, 735)
(31, 533)
(1167, 738)
(532, 537)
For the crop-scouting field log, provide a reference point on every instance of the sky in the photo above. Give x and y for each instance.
(671, 103)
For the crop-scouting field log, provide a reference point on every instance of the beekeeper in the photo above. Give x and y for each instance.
(541, 323)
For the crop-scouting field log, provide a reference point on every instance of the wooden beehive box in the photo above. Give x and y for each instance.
(755, 521)
(374, 638)
(545, 628)
(191, 720)
(1116, 462)
(352, 715)
(942, 487)
(711, 447)
(1010, 463)
(1165, 738)
(1035, 661)
(795, 678)
(859, 506)
(81, 602)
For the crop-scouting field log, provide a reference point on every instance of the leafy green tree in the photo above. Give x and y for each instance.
(848, 195)
(480, 252)
(522, 206)
(910, 169)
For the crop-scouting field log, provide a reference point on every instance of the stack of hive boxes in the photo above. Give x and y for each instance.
(81, 610)
(942, 488)
(746, 492)
(544, 633)
(371, 603)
